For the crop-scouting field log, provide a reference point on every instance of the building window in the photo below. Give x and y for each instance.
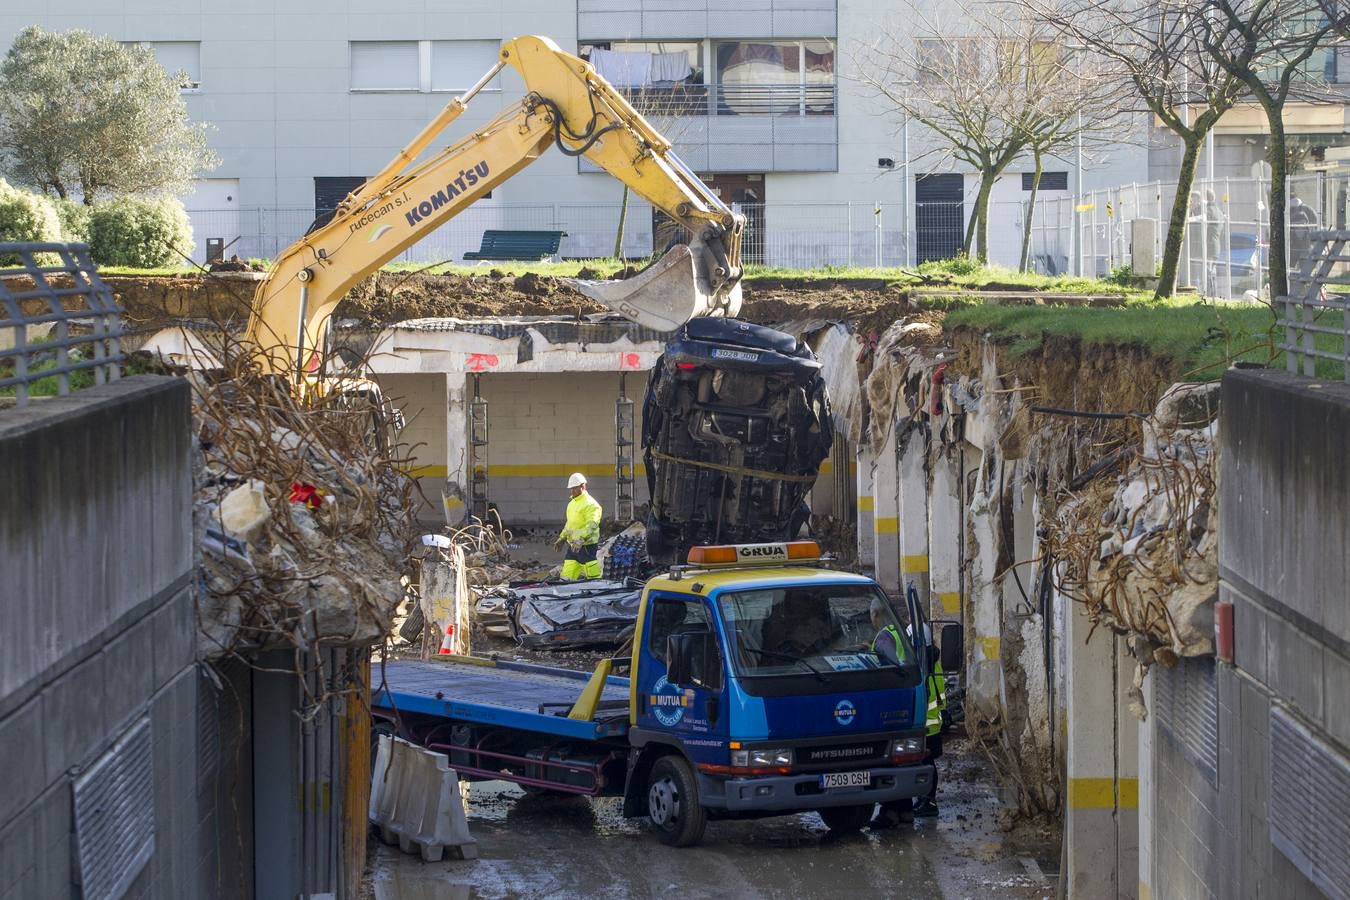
(775, 78)
(457, 65)
(422, 66)
(183, 57)
(1050, 181)
(942, 60)
(660, 78)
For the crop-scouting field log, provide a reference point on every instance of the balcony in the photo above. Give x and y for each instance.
(744, 128)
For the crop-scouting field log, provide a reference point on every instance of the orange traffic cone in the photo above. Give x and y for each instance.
(447, 642)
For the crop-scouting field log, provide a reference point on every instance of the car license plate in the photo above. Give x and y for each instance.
(845, 779)
(739, 355)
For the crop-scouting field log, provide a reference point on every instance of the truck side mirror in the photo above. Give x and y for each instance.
(680, 658)
(953, 647)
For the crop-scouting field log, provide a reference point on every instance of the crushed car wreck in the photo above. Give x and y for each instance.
(736, 422)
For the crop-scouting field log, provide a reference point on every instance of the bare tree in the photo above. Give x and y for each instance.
(1160, 48)
(991, 82)
(1068, 101)
(946, 76)
(1266, 45)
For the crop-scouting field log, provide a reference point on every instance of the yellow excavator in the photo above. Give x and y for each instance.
(568, 105)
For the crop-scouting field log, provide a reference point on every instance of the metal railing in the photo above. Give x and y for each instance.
(59, 323)
(1307, 312)
(734, 100)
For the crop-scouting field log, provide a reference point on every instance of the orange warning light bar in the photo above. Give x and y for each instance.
(753, 554)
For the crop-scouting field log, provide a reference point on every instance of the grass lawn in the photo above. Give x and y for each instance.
(1203, 337)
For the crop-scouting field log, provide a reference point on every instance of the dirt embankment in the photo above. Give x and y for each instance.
(390, 297)
(1063, 371)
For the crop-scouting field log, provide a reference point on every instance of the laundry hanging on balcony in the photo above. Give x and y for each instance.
(640, 69)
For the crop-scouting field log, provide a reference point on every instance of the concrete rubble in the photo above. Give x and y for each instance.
(303, 524)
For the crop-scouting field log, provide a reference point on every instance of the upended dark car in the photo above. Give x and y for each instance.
(736, 422)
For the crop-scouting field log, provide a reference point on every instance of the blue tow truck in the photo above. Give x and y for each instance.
(755, 688)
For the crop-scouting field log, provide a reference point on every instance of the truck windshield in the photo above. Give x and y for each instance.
(814, 629)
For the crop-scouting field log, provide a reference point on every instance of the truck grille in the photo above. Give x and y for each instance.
(829, 755)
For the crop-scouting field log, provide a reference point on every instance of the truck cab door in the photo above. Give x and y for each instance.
(695, 707)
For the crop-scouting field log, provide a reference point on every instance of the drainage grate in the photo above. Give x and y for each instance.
(115, 816)
(1186, 701)
(208, 731)
(1309, 794)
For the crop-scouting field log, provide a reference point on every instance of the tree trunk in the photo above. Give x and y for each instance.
(1025, 263)
(623, 214)
(977, 231)
(1279, 189)
(1176, 225)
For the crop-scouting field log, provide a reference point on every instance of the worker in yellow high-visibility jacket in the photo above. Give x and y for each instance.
(581, 532)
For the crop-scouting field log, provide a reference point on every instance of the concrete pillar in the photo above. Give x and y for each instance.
(1101, 823)
(866, 542)
(455, 496)
(914, 561)
(1146, 798)
(886, 517)
(944, 531)
(984, 605)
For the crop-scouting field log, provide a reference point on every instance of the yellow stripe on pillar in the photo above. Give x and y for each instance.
(1100, 793)
(864, 503)
(887, 525)
(990, 647)
(951, 602)
(916, 564)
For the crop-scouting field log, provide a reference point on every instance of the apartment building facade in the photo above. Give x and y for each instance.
(307, 98)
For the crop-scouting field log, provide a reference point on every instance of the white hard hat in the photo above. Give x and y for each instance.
(577, 480)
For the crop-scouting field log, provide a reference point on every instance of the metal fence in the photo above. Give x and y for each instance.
(59, 322)
(792, 235)
(1225, 248)
(1311, 329)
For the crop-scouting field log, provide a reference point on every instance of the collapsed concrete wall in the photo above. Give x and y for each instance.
(1047, 512)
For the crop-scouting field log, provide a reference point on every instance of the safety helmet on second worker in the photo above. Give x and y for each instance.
(577, 480)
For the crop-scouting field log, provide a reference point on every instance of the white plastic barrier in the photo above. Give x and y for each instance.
(415, 801)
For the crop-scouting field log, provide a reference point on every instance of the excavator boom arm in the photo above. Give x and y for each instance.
(568, 105)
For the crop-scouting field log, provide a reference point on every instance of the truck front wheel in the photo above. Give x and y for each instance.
(672, 802)
(846, 818)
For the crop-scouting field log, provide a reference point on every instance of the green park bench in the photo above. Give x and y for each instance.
(530, 245)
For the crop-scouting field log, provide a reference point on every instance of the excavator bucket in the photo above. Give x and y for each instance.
(671, 291)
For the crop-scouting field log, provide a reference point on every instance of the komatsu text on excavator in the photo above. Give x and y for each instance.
(568, 105)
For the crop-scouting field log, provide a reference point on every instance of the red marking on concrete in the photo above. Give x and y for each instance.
(630, 361)
(477, 362)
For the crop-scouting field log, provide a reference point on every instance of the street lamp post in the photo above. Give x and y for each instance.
(1076, 244)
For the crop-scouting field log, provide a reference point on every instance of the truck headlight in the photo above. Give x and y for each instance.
(761, 758)
(907, 749)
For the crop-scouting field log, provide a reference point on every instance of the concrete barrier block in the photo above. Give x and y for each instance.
(378, 775)
(415, 802)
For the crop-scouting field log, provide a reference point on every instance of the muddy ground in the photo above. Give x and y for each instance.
(577, 847)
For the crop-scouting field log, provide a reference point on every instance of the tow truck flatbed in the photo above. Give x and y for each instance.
(502, 692)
